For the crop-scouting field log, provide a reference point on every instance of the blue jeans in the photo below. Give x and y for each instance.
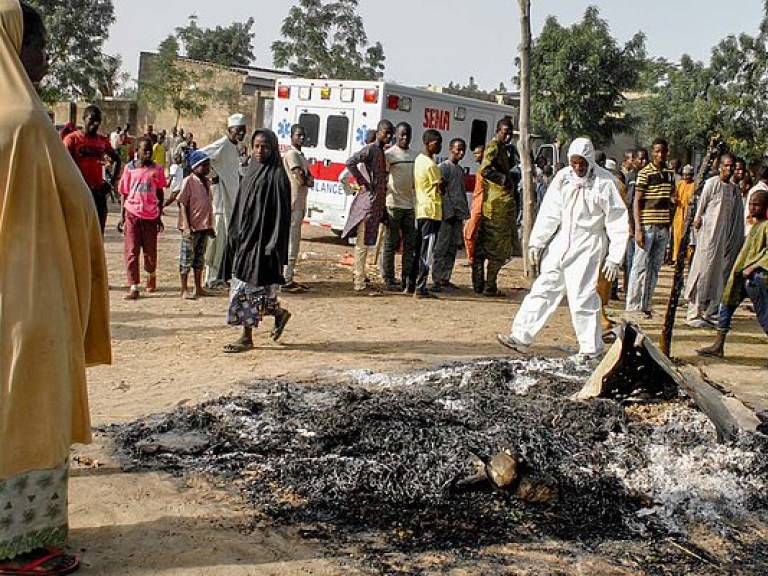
(427, 231)
(757, 290)
(645, 268)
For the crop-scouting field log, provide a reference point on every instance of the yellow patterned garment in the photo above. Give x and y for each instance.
(54, 306)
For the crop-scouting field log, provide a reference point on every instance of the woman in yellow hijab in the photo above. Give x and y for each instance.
(54, 317)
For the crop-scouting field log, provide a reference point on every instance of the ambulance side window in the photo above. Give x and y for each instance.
(311, 123)
(479, 134)
(337, 133)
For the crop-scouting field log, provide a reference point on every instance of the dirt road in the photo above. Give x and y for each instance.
(167, 352)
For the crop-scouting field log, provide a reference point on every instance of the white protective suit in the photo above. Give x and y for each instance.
(580, 222)
(225, 162)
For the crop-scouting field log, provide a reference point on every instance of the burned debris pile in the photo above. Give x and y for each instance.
(410, 460)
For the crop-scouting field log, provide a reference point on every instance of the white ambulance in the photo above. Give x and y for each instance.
(337, 115)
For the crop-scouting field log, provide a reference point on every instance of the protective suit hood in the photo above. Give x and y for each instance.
(582, 147)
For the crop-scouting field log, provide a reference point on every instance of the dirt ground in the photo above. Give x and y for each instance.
(167, 353)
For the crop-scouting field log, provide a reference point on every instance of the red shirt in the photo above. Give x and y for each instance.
(88, 152)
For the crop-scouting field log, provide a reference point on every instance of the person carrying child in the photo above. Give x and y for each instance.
(195, 223)
(141, 186)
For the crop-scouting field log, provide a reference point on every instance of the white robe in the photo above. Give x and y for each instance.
(720, 204)
(225, 162)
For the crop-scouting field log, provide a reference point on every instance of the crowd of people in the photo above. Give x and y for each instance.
(240, 217)
(595, 220)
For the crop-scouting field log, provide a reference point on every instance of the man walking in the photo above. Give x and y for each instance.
(301, 181)
(369, 202)
(88, 149)
(455, 212)
(581, 227)
(719, 206)
(651, 206)
(401, 220)
(225, 162)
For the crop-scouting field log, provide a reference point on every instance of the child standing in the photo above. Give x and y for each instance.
(195, 222)
(141, 186)
(175, 175)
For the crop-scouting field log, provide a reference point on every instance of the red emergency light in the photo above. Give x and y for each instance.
(283, 91)
(393, 102)
(371, 95)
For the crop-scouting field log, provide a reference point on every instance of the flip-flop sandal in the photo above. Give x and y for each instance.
(53, 563)
(190, 296)
(237, 347)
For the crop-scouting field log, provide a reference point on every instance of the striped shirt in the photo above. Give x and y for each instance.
(656, 187)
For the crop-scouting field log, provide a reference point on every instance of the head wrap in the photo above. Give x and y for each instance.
(49, 236)
(257, 238)
(687, 169)
(197, 157)
(236, 120)
(610, 164)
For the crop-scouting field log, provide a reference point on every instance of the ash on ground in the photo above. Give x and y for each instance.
(378, 462)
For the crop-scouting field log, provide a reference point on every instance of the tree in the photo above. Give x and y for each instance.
(578, 79)
(170, 84)
(328, 40)
(77, 30)
(529, 202)
(689, 101)
(677, 105)
(471, 90)
(228, 46)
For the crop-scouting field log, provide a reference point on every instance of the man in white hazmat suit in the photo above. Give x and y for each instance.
(582, 225)
(225, 162)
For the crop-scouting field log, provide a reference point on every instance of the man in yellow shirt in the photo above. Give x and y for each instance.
(429, 206)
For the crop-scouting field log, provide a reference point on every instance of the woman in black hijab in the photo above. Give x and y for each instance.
(257, 246)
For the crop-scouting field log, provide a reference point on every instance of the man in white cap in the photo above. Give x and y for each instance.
(582, 226)
(224, 155)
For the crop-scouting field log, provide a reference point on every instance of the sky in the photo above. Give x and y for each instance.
(439, 41)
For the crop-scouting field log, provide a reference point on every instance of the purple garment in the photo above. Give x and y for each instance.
(368, 205)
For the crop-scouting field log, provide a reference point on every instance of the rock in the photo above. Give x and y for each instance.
(502, 468)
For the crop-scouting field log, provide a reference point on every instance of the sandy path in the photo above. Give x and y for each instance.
(167, 352)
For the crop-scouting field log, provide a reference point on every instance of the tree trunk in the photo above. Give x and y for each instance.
(526, 159)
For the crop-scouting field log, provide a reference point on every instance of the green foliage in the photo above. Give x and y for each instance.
(578, 78)
(739, 78)
(677, 105)
(328, 40)
(228, 46)
(688, 102)
(77, 30)
(169, 84)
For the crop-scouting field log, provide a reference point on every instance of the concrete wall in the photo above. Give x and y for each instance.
(229, 85)
(114, 112)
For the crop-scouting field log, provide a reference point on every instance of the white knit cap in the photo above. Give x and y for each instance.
(236, 120)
